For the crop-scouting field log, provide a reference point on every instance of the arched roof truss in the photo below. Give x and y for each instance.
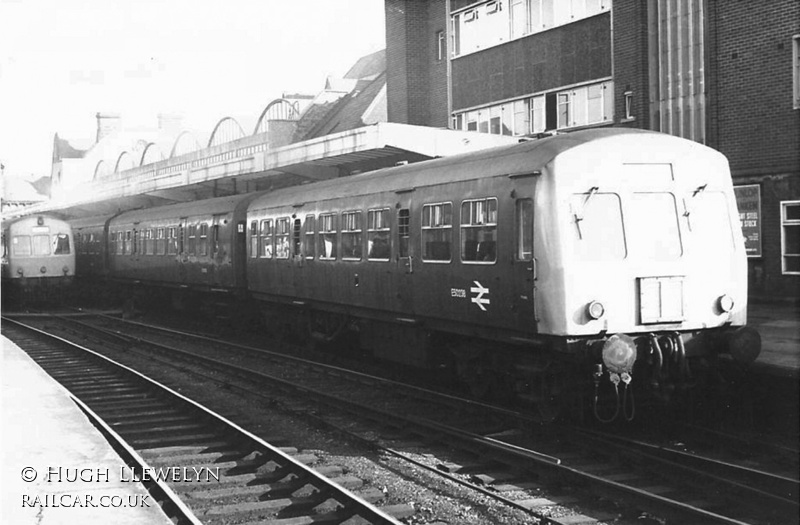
(125, 161)
(278, 109)
(185, 143)
(151, 153)
(226, 130)
(101, 170)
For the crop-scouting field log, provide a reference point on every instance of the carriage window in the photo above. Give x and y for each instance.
(127, 248)
(653, 225)
(265, 242)
(192, 239)
(309, 237)
(378, 235)
(351, 235)
(214, 239)
(296, 238)
(403, 231)
(172, 240)
(117, 239)
(437, 231)
(597, 226)
(149, 248)
(327, 237)
(479, 230)
(61, 244)
(254, 239)
(203, 244)
(524, 221)
(21, 245)
(161, 242)
(709, 220)
(282, 238)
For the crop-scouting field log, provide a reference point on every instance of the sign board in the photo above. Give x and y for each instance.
(748, 199)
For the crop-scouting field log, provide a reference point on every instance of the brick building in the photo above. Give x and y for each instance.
(723, 73)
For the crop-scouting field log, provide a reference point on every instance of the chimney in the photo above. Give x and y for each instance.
(107, 123)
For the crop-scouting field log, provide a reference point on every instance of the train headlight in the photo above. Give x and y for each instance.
(595, 310)
(19, 272)
(43, 269)
(725, 303)
(65, 269)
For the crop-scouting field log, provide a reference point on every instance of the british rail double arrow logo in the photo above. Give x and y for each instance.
(479, 299)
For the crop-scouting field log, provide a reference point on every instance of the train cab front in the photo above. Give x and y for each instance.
(652, 272)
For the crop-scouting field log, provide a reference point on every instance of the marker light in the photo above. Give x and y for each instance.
(43, 269)
(595, 309)
(725, 303)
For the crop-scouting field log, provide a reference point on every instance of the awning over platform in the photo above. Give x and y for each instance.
(248, 165)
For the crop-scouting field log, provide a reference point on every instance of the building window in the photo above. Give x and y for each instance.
(796, 70)
(581, 106)
(790, 236)
(628, 105)
(440, 45)
(351, 235)
(489, 24)
(378, 235)
(479, 231)
(437, 231)
(327, 237)
(522, 124)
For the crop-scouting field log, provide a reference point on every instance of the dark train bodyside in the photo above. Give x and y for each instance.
(195, 245)
(384, 246)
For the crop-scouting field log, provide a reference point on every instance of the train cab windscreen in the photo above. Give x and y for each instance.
(61, 244)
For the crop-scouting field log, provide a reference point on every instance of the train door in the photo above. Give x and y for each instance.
(524, 262)
(405, 253)
(218, 249)
(183, 256)
(239, 258)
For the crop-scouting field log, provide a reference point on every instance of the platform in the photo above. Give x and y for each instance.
(43, 435)
(779, 326)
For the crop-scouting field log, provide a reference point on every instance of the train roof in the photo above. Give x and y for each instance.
(34, 218)
(522, 158)
(206, 206)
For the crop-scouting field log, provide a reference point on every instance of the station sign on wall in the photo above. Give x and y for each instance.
(748, 199)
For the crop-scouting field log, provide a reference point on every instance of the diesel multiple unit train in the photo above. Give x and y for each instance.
(38, 261)
(606, 257)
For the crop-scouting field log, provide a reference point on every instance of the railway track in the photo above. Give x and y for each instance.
(216, 471)
(644, 479)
